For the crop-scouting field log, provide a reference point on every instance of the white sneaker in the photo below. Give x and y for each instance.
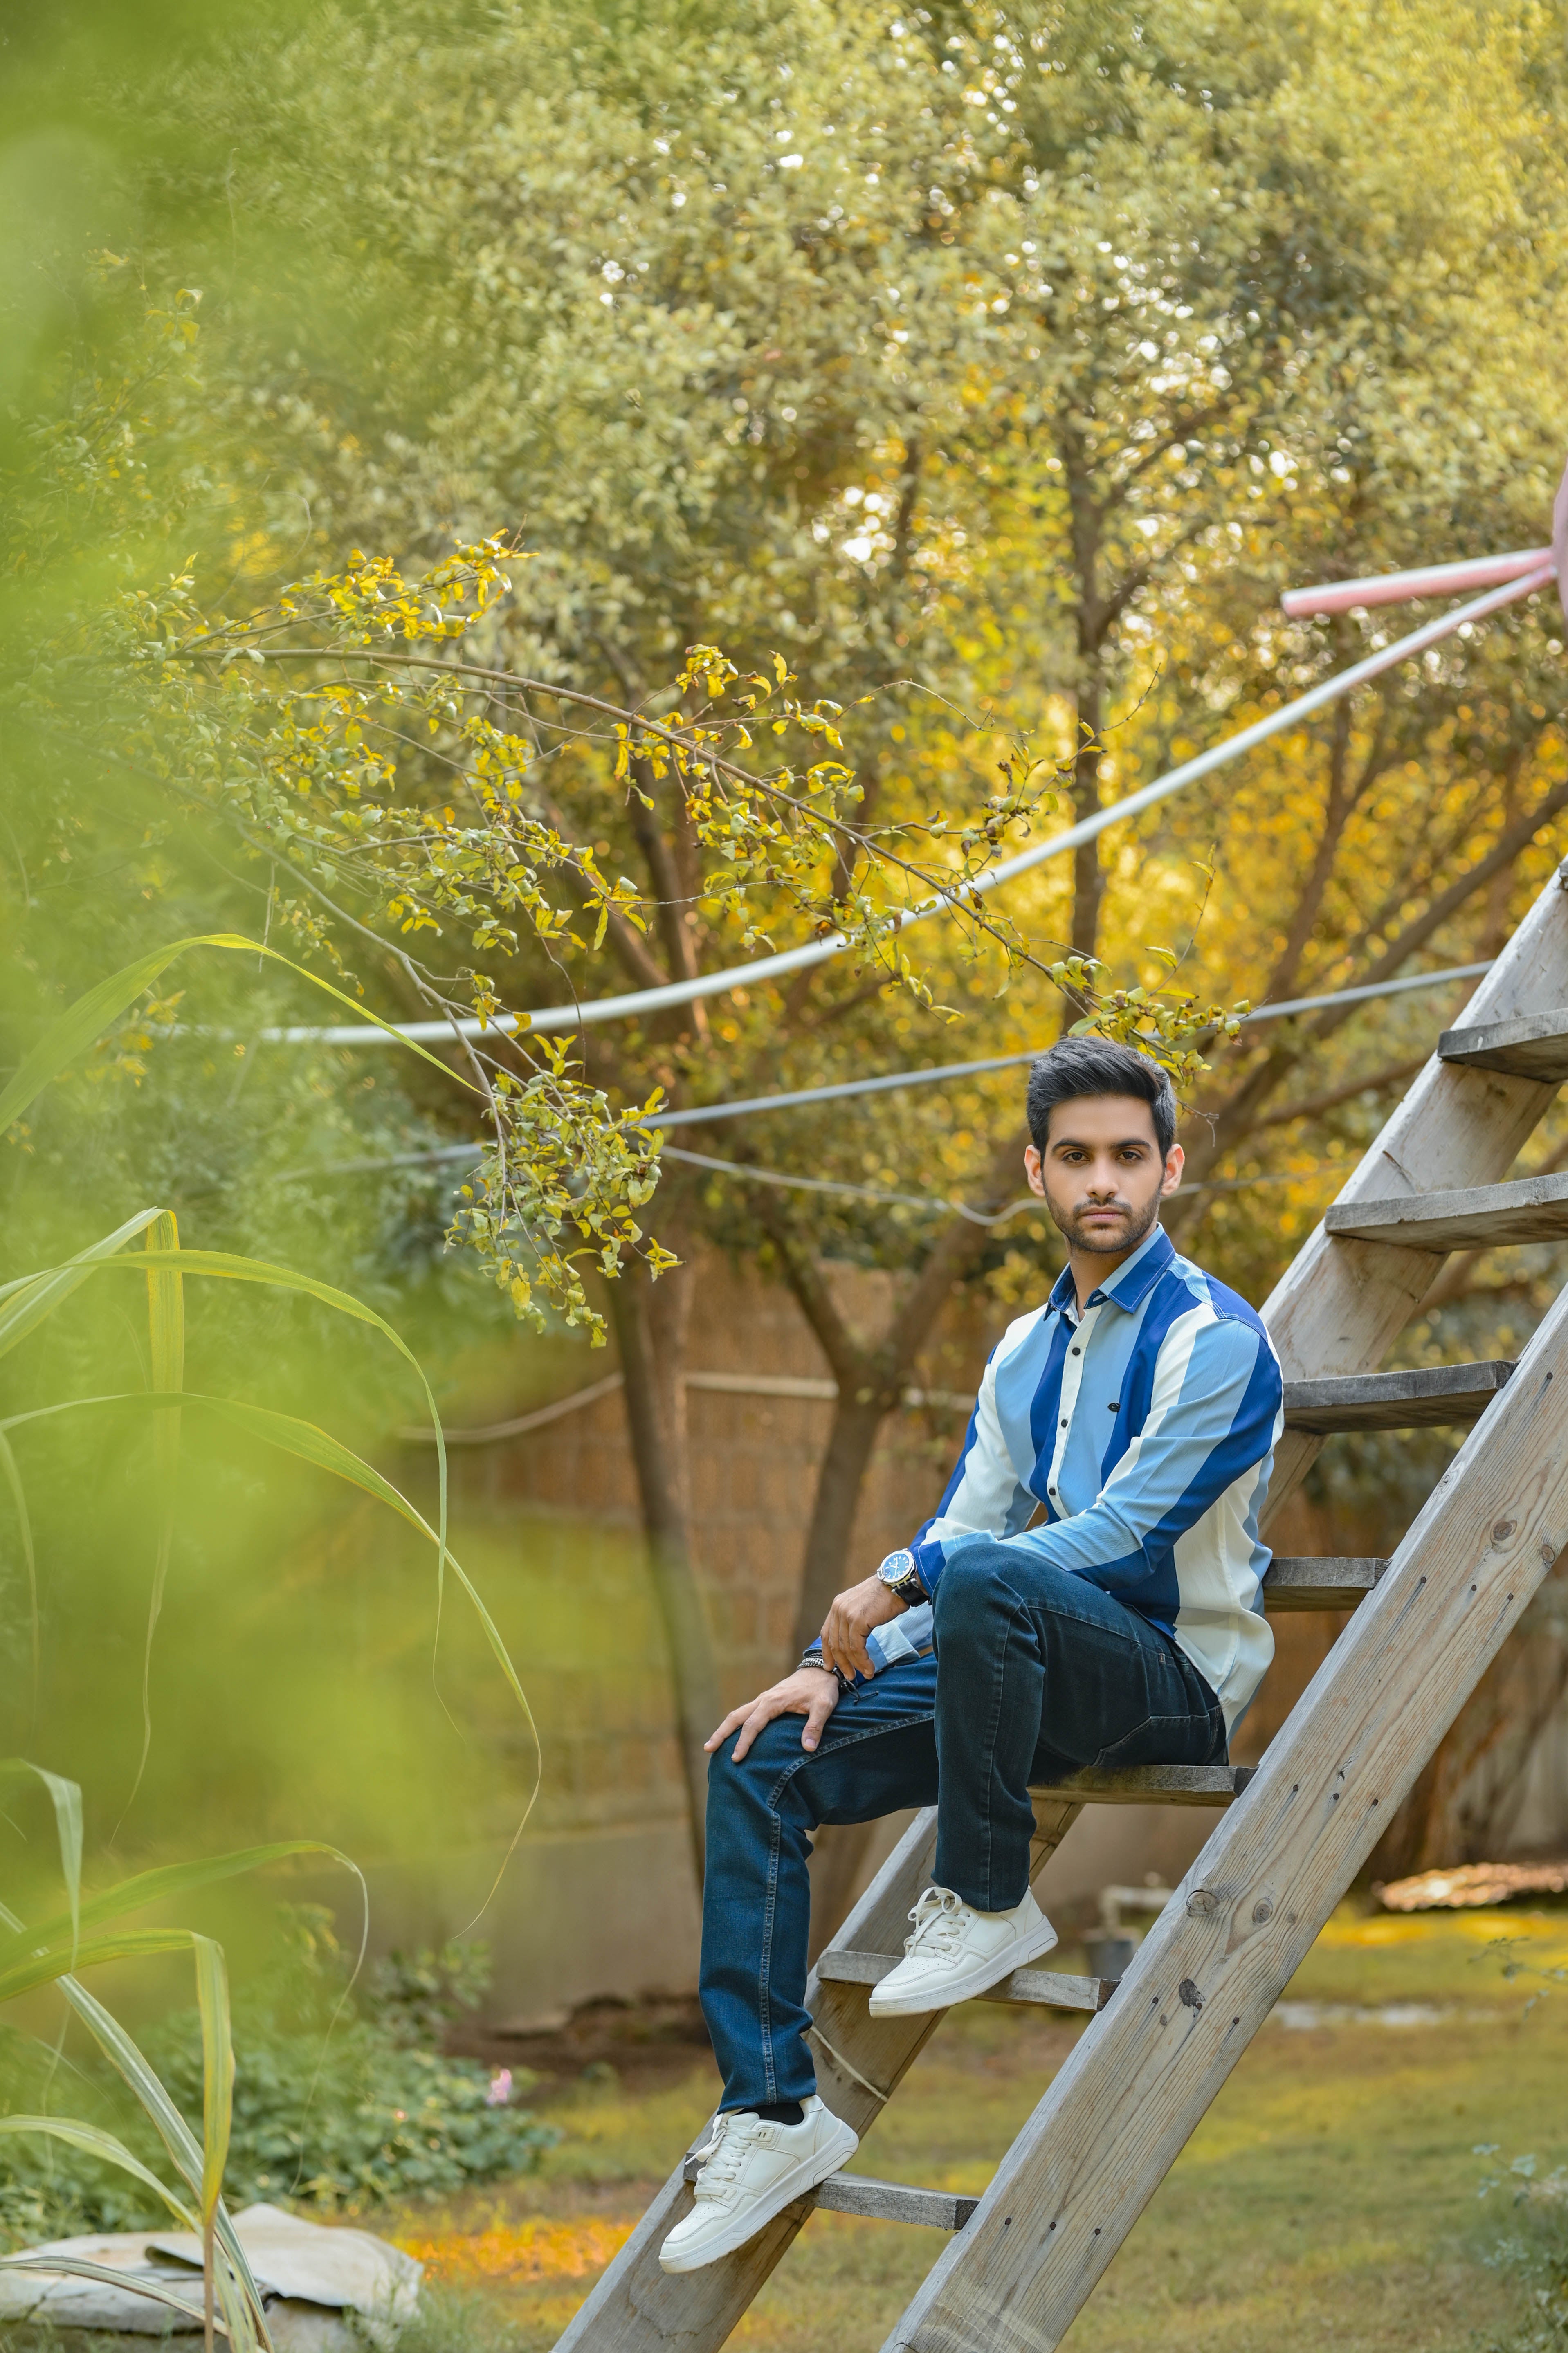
(751, 2171)
(956, 1952)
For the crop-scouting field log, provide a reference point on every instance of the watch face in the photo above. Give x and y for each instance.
(896, 1568)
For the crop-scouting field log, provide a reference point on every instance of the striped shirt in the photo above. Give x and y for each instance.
(1142, 1432)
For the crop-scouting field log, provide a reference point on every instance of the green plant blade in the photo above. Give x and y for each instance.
(317, 1446)
(173, 1265)
(101, 2145)
(38, 1296)
(44, 1968)
(217, 2069)
(106, 999)
(65, 1798)
(242, 2295)
(74, 2267)
(156, 1886)
(166, 1349)
(25, 1529)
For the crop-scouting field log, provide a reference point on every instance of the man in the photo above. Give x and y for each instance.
(1088, 1593)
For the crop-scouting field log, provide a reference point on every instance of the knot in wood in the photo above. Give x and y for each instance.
(1189, 1995)
(1202, 1903)
(1263, 1910)
(1502, 1530)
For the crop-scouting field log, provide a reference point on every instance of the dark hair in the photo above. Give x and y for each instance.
(1077, 1067)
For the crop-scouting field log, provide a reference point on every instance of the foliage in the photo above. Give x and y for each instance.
(415, 1998)
(1531, 2258)
(51, 1952)
(333, 2109)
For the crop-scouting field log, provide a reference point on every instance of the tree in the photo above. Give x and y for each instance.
(1154, 307)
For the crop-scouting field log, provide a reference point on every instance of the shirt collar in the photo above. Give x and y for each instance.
(1133, 1281)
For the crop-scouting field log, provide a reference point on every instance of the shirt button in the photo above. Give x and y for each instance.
(1063, 1422)
(1077, 1352)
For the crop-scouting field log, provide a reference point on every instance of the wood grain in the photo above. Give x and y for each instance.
(1151, 1785)
(637, 2305)
(1216, 1960)
(1047, 1988)
(1533, 1047)
(1323, 1584)
(1477, 1217)
(1340, 1304)
(880, 2202)
(1404, 1400)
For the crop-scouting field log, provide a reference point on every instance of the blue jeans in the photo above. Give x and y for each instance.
(1040, 1672)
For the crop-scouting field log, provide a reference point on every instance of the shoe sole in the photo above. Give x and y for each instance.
(808, 2174)
(965, 1987)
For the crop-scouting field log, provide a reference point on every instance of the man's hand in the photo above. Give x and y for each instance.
(811, 1692)
(854, 1614)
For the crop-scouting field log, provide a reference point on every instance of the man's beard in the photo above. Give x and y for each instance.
(1139, 1224)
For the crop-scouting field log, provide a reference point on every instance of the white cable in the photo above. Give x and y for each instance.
(891, 1079)
(766, 968)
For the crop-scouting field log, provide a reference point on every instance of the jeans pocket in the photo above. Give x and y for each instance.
(1161, 1740)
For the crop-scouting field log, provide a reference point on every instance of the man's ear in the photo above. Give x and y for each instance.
(1175, 1161)
(1034, 1169)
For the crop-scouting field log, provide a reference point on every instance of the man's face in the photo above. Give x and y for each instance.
(1101, 1174)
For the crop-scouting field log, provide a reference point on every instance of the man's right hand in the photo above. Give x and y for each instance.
(811, 1692)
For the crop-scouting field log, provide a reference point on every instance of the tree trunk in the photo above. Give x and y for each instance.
(857, 1425)
(1088, 874)
(1465, 1804)
(649, 1329)
(871, 1379)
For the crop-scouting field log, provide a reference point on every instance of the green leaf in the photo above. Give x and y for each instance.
(65, 1798)
(166, 1342)
(101, 2145)
(25, 1529)
(48, 1968)
(107, 999)
(24, 1304)
(74, 2267)
(217, 2069)
(174, 1879)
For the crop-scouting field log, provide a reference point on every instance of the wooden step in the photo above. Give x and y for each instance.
(882, 2201)
(1534, 1046)
(1151, 1785)
(1529, 1209)
(1046, 1988)
(1326, 1584)
(1406, 1401)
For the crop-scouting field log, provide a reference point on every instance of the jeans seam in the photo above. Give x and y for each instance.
(872, 1732)
(765, 1958)
(770, 1910)
(994, 1727)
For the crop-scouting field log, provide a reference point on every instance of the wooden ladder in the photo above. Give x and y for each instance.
(1024, 2257)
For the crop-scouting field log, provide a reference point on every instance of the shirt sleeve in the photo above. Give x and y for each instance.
(985, 1496)
(1214, 1416)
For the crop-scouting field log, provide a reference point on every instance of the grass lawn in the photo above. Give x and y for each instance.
(1329, 2195)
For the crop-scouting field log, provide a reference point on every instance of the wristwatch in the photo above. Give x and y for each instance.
(900, 1575)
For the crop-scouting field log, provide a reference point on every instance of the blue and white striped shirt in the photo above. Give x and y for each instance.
(1143, 1430)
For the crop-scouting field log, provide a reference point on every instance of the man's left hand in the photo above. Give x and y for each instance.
(849, 1621)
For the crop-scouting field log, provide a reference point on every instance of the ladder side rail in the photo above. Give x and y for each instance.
(1212, 1968)
(635, 2307)
(1340, 1305)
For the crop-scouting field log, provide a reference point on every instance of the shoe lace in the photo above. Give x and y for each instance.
(721, 2160)
(937, 1924)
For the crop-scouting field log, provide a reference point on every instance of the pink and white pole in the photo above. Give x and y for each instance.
(1432, 580)
(1538, 565)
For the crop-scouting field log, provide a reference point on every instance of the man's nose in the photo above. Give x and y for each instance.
(1105, 1182)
